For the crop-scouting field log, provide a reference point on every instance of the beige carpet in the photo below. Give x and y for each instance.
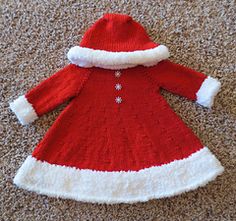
(35, 36)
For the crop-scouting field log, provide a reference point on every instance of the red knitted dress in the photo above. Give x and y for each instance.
(118, 140)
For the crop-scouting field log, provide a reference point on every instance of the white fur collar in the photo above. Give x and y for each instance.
(87, 57)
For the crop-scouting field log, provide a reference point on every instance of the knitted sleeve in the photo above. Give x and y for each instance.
(50, 93)
(185, 82)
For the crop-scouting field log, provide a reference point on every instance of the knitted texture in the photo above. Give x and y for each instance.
(97, 133)
(117, 126)
(105, 34)
(117, 42)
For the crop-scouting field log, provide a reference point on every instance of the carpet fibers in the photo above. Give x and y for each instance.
(35, 36)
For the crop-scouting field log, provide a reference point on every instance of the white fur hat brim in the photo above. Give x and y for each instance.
(87, 57)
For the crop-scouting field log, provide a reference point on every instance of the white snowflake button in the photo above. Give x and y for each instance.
(118, 100)
(118, 86)
(117, 74)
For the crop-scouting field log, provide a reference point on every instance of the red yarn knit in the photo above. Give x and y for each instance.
(118, 140)
(95, 132)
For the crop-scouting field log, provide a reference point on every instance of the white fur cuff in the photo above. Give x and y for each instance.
(207, 92)
(23, 110)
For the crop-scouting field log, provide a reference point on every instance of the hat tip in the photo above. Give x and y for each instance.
(117, 15)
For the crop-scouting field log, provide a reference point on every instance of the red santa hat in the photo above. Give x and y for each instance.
(117, 42)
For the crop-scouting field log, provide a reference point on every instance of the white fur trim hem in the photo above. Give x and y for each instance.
(119, 187)
(23, 110)
(207, 92)
(87, 57)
